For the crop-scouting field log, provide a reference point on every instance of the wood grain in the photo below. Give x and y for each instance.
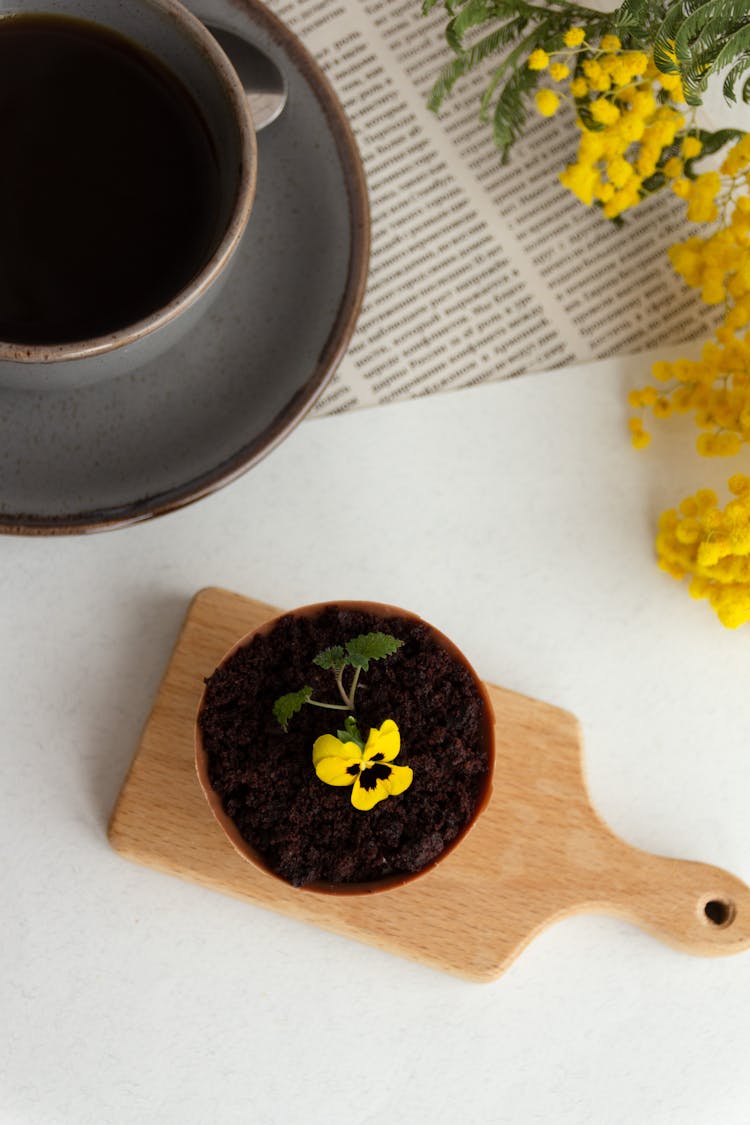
(539, 851)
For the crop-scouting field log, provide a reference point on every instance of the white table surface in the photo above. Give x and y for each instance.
(518, 520)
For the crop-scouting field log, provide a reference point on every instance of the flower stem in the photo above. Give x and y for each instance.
(330, 706)
(340, 685)
(353, 688)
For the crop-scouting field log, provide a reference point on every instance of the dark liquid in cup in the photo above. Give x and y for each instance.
(109, 183)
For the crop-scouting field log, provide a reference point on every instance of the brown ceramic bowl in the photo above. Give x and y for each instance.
(230, 828)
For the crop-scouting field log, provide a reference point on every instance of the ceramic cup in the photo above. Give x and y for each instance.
(230, 829)
(170, 32)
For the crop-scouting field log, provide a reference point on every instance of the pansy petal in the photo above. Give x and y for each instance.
(366, 799)
(400, 780)
(328, 746)
(337, 771)
(385, 741)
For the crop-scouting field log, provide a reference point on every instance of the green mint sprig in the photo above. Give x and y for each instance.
(357, 654)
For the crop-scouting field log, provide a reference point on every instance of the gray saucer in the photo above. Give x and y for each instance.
(108, 455)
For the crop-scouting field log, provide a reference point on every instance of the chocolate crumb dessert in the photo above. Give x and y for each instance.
(309, 832)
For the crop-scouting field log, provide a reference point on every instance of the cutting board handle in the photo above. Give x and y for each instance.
(696, 907)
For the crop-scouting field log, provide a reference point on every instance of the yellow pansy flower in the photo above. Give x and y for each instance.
(367, 768)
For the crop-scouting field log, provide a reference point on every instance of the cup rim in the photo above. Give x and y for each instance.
(388, 882)
(191, 27)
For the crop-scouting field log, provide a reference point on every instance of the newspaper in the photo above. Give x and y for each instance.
(479, 271)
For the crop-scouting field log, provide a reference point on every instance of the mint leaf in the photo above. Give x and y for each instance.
(334, 658)
(351, 732)
(288, 705)
(350, 725)
(370, 646)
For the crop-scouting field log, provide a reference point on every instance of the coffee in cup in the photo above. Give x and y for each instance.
(110, 192)
(128, 173)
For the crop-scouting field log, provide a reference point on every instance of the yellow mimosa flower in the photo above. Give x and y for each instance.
(547, 102)
(574, 36)
(538, 60)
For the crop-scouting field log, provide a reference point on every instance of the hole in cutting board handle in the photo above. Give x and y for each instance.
(720, 912)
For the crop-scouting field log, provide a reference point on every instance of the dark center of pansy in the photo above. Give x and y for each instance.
(371, 774)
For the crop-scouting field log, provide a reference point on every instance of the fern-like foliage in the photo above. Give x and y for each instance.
(691, 38)
(632, 14)
(467, 60)
(473, 14)
(697, 39)
(511, 109)
(478, 30)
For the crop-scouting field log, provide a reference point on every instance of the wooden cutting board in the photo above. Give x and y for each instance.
(538, 852)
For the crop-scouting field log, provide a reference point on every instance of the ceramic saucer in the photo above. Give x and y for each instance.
(171, 432)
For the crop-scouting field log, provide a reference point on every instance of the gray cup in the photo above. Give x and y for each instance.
(182, 43)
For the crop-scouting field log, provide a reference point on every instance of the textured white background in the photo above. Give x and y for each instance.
(516, 518)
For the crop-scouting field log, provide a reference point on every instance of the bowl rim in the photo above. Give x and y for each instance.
(248, 455)
(247, 171)
(389, 882)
